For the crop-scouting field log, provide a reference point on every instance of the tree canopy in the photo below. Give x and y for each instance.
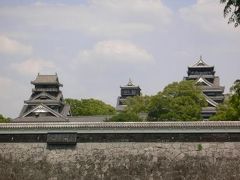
(230, 109)
(232, 8)
(179, 101)
(89, 107)
(125, 117)
(3, 119)
(138, 104)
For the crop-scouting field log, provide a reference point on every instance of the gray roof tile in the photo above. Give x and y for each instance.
(46, 79)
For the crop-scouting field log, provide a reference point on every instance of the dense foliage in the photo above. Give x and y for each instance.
(125, 117)
(232, 7)
(3, 119)
(138, 104)
(135, 105)
(178, 102)
(88, 107)
(230, 109)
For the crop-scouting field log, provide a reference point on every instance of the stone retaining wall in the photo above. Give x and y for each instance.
(121, 160)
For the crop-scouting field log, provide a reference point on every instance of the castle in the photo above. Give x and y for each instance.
(205, 78)
(46, 103)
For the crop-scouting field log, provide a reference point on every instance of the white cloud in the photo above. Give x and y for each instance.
(6, 84)
(105, 18)
(10, 96)
(144, 9)
(115, 51)
(33, 66)
(208, 15)
(11, 46)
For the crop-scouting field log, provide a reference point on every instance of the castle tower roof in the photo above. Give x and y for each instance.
(46, 79)
(200, 63)
(130, 85)
(46, 99)
(205, 78)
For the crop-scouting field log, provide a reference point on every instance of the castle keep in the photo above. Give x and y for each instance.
(69, 147)
(46, 101)
(205, 77)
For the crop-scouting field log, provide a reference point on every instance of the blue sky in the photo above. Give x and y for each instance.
(97, 45)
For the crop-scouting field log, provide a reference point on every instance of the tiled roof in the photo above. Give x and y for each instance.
(130, 85)
(200, 63)
(46, 102)
(23, 110)
(45, 94)
(212, 89)
(89, 118)
(66, 110)
(195, 76)
(46, 79)
(59, 119)
(203, 80)
(209, 110)
(33, 119)
(115, 126)
(42, 107)
(210, 101)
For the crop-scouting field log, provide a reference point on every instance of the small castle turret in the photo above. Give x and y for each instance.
(129, 90)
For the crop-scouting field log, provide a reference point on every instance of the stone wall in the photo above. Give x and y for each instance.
(124, 161)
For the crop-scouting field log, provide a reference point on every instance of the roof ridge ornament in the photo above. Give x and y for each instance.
(200, 63)
(130, 82)
(201, 60)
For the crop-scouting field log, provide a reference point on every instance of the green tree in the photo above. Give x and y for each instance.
(3, 119)
(125, 117)
(225, 112)
(178, 102)
(138, 104)
(135, 106)
(235, 96)
(230, 109)
(89, 107)
(232, 7)
(132, 113)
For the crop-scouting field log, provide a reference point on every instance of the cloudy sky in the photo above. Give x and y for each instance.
(97, 45)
